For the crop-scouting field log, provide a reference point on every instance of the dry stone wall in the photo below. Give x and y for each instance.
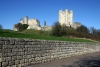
(15, 52)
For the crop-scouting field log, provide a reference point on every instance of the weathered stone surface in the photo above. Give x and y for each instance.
(8, 59)
(21, 52)
(0, 59)
(11, 63)
(4, 64)
(17, 62)
(0, 64)
(22, 61)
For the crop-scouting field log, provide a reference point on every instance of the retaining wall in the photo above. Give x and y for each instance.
(15, 52)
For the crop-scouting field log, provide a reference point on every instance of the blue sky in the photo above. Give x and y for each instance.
(86, 12)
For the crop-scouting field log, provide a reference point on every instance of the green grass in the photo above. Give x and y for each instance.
(34, 34)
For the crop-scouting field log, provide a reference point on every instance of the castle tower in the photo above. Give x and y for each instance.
(26, 20)
(21, 21)
(66, 17)
(71, 17)
(62, 17)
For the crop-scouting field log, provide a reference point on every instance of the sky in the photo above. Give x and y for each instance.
(87, 12)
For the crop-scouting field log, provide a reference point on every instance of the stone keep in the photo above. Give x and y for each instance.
(26, 20)
(66, 17)
(33, 23)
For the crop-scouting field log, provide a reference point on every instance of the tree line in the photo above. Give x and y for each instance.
(80, 32)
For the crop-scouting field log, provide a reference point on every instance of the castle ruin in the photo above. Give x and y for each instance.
(66, 17)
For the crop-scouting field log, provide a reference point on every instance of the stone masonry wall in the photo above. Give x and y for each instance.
(15, 52)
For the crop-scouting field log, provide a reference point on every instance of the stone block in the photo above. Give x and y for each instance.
(26, 53)
(0, 55)
(16, 42)
(8, 58)
(5, 64)
(2, 42)
(24, 56)
(30, 60)
(29, 56)
(26, 60)
(20, 50)
(14, 49)
(9, 54)
(4, 54)
(25, 49)
(13, 66)
(22, 61)
(19, 65)
(21, 53)
(0, 59)
(13, 58)
(3, 59)
(12, 42)
(0, 64)
(8, 66)
(11, 63)
(17, 62)
(19, 57)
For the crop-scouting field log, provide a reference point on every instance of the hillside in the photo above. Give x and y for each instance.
(36, 34)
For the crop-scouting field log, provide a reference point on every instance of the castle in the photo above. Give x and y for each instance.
(65, 18)
(33, 24)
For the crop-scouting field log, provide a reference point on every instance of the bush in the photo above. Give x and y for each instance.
(83, 29)
(70, 31)
(59, 30)
(21, 27)
(64, 29)
(56, 29)
(24, 26)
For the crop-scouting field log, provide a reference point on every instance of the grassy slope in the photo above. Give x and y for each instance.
(37, 35)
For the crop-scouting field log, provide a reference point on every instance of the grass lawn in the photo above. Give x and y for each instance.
(34, 34)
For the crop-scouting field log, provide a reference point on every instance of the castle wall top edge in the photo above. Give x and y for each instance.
(66, 10)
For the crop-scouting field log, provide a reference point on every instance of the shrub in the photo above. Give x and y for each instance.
(83, 29)
(21, 27)
(64, 29)
(59, 30)
(24, 26)
(56, 29)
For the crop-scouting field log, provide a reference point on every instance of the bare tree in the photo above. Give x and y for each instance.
(44, 23)
(1, 26)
